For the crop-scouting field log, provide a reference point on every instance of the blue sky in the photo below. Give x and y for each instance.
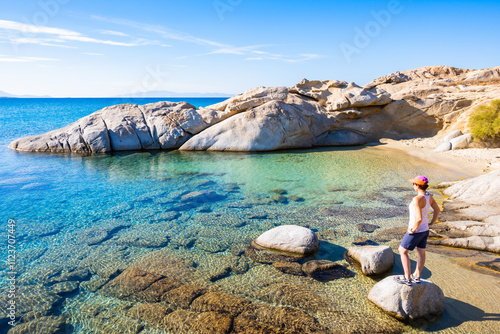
(106, 48)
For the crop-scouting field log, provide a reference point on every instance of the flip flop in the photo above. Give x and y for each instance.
(415, 279)
(402, 280)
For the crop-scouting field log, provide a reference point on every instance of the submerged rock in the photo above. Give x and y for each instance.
(374, 260)
(424, 300)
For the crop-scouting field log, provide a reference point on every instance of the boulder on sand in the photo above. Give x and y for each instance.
(424, 300)
(290, 238)
(374, 260)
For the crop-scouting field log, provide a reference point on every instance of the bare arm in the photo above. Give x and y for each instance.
(436, 212)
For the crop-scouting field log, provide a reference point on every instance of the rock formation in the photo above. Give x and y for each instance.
(471, 217)
(420, 102)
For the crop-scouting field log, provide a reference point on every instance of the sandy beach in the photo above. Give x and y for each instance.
(470, 162)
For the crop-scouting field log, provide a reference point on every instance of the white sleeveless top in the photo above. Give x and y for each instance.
(424, 226)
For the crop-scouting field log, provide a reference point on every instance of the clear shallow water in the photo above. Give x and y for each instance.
(63, 203)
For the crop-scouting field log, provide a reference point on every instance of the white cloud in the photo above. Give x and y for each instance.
(24, 59)
(114, 33)
(26, 32)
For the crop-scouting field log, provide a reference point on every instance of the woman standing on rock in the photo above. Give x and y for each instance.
(418, 230)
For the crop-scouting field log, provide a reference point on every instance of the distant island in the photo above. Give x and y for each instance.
(8, 95)
(150, 94)
(167, 94)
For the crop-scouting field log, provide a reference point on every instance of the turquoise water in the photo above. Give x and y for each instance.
(61, 201)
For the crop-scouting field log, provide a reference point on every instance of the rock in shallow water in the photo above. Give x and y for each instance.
(290, 238)
(424, 300)
(374, 260)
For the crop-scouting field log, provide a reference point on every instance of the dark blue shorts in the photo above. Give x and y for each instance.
(410, 241)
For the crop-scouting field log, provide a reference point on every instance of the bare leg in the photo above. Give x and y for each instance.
(405, 261)
(420, 261)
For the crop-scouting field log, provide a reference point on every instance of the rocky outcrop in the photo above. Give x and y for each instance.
(291, 239)
(374, 260)
(471, 217)
(421, 102)
(424, 300)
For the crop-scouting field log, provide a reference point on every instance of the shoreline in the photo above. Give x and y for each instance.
(469, 162)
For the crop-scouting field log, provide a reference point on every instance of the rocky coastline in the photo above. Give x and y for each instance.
(424, 102)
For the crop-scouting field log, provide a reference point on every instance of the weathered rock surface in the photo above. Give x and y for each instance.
(420, 102)
(374, 260)
(471, 217)
(424, 300)
(290, 238)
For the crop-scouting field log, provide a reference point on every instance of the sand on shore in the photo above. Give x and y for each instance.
(469, 162)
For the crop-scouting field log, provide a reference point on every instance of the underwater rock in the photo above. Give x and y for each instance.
(296, 198)
(364, 242)
(95, 235)
(369, 228)
(32, 301)
(155, 292)
(220, 302)
(64, 288)
(271, 319)
(72, 275)
(374, 260)
(332, 234)
(335, 189)
(279, 199)
(45, 325)
(296, 295)
(142, 238)
(424, 300)
(183, 296)
(324, 270)
(184, 321)
(279, 191)
(211, 245)
(202, 196)
(129, 282)
(263, 255)
(153, 313)
(291, 268)
(290, 238)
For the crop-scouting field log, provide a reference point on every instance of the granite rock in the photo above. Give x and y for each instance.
(374, 260)
(424, 300)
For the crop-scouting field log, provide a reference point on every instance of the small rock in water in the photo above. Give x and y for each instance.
(291, 268)
(335, 189)
(364, 242)
(369, 228)
(324, 270)
(280, 199)
(279, 191)
(296, 198)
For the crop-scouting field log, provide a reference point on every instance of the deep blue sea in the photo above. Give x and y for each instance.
(105, 212)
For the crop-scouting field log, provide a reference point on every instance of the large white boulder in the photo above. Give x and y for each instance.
(424, 300)
(290, 238)
(374, 260)
(460, 142)
(479, 190)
